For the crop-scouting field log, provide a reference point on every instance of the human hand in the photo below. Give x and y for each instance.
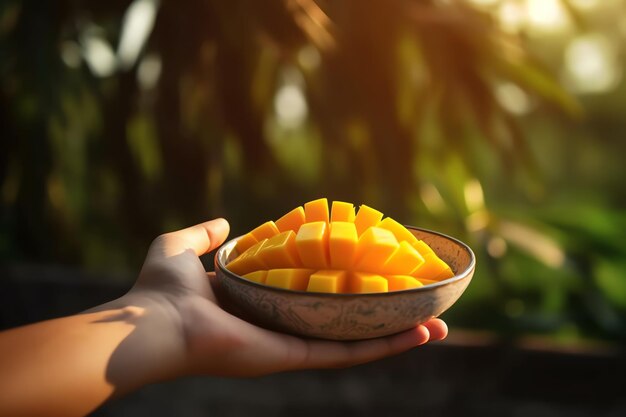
(213, 341)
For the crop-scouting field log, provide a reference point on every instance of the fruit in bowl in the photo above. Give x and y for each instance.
(341, 274)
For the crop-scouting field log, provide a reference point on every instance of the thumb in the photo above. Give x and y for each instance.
(200, 238)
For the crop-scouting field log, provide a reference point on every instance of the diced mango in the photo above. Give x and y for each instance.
(374, 248)
(289, 278)
(432, 268)
(445, 274)
(342, 243)
(280, 251)
(245, 242)
(335, 251)
(365, 218)
(342, 212)
(328, 281)
(400, 232)
(248, 261)
(292, 220)
(404, 260)
(312, 245)
(256, 276)
(316, 210)
(361, 282)
(402, 282)
(265, 231)
(423, 248)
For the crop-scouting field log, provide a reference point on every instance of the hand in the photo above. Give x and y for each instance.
(169, 324)
(217, 343)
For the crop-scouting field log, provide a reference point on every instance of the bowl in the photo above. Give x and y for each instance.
(346, 316)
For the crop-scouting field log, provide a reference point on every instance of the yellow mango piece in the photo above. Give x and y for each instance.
(423, 248)
(374, 248)
(265, 231)
(249, 261)
(432, 268)
(316, 210)
(402, 282)
(342, 243)
(447, 273)
(328, 281)
(289, 278)
(256, 276)
(365, 218)
(280, 251)
(342, 212)
(404, 260)
(361, 282)
(245, 242)
(427, 281)
(312, 245)
(291, 221)
(399, 231)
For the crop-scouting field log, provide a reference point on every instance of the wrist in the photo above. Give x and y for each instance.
(155, 349)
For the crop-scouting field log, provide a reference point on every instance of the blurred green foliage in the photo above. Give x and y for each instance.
(121, 120)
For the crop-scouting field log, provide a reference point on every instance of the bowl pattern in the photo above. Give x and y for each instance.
(347, 316)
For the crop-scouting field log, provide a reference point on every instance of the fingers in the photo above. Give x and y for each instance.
(437, 328)
(200, 238)
(322, 354)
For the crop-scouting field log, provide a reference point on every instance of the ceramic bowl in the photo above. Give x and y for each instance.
(346, 316)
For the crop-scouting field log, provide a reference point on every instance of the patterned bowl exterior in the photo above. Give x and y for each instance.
(347, 316)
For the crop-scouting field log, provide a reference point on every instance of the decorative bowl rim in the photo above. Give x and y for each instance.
(457, 277)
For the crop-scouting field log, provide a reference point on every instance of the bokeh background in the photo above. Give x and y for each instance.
(500, 122)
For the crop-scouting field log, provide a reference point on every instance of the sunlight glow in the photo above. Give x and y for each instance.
(149, 71)
(512, 17)
(484, 3)
(513, 98)
(533, 242)
(432, 198)
(136, 28)
(474, 197)
(99, 56)
(585, 4)
(591, 64)
(290, 106)
(309, 58)
(547, 15)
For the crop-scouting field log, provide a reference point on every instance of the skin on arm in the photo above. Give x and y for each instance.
(168, 325)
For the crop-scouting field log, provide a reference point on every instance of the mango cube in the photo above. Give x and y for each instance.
(433, 268)
(245, 242)
(280, 251)
(404, 260)
(400, 232)
(248, 261)
(402, 282)
(368, 283)
(265, 231)
(365, 218)
(342, 243)
(291, 221)
(374, 248)
(312, 245)
(288, 278)
(256, 276)
(316, 210)
(328, 281)
(342, 212)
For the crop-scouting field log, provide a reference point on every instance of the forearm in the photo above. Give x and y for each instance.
(70, 366)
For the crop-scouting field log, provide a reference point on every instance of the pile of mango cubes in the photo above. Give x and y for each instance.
(340, 250)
